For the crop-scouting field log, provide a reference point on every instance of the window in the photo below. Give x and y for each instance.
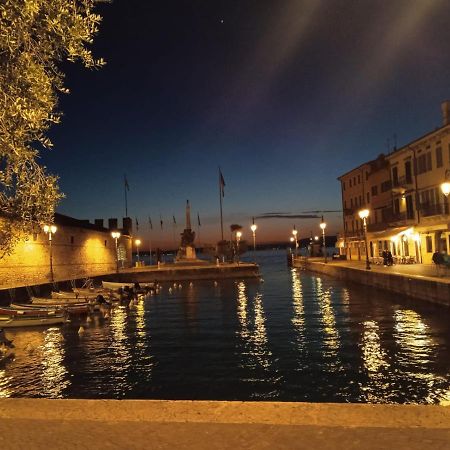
(360, 200)
(439, 161)
(374, 190)
(367, 176)
(359, 179)
(368, 198)
(424, 163)
(350, 182)
(385, 186)
(351, 203)
(72, 239)
(343, 185)
(395, 176)
(105, 244)
(408, 172)
(429, 166)
(354, 181)
(429, 244)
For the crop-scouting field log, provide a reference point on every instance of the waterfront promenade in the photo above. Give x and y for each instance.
(137, 424)
(420, 281)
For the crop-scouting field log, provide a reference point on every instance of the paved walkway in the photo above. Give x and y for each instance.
(416, 270)
(146, 424)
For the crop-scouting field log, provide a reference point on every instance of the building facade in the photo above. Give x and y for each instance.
(408, 211)
(79, 249)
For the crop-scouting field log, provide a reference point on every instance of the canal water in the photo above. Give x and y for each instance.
(296, 336)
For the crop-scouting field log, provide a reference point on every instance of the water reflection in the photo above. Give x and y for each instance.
(417, 347)
(331, 339)
(375, 362)
(255, 354)
(298, 319)
(54, 375)
(121, 356)
(5, 384)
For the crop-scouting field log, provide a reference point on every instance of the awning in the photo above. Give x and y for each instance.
(386, 234)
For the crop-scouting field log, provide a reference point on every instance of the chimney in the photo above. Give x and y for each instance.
(98, 223)
(445, 107)
(112, 224)
(127, 225)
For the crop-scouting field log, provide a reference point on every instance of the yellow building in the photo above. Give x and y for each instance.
(409, 213)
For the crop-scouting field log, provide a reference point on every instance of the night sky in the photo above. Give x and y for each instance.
(283, 95)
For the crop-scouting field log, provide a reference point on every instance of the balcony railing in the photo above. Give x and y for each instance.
(402, 181)
(428, 210)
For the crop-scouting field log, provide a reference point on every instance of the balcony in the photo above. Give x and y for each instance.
(440, 209)
(402, 183)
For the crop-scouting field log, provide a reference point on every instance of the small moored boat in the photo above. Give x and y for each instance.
(31, 321)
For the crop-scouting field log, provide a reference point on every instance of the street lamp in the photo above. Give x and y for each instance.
(50, 230)
(116, 236)
(294, 232)
(364, 214)
(323, 225)
(445, 188)
(253, 228)
(238, 239)
(138, 243)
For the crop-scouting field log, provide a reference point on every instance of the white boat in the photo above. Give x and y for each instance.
(81, 296)
(115, 285)
(32, 321)
(57, 301)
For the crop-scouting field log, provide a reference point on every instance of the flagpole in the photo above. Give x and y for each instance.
(125, 188)
(126, 202)
(150, 238)
(198, 229)
(220, 197)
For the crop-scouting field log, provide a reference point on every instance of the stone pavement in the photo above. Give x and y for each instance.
(147, 424)
(416, 270)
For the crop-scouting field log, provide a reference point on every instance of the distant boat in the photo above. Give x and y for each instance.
(31, 321)
(81, 296)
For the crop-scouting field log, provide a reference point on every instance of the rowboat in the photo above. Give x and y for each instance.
(70, 295)
(78, 308)
(43, 301)
(12, 311)
(31, 321)
(114, 285)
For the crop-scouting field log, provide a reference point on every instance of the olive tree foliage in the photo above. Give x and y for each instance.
(35, 37)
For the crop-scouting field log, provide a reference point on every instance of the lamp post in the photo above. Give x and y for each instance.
(294, 232)
(323, 225)
(50, 230)
(116, 236)
(238, 239)
(138, 243)
(364, 214)
(445, 188)
(253, 228)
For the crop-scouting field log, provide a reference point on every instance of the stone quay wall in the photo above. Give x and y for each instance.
(419, 288)
(187, 273)
(76, 253)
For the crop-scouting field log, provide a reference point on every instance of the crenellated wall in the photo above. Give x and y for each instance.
(77, 252)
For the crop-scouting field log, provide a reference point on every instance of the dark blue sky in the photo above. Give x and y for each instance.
(284, 95)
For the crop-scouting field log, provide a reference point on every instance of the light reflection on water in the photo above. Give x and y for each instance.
(295, 337)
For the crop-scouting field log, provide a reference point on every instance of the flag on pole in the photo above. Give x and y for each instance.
(127, 186)
(150, 223)
(137, 225)
(174, 221)
(161, 221)
(198, 220)
(222, 183)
